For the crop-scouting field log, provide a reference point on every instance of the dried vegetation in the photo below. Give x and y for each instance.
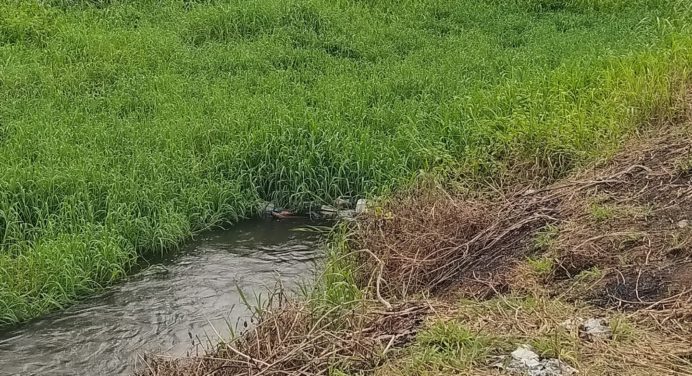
(301, 338)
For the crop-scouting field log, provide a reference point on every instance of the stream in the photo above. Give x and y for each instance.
(163, 308)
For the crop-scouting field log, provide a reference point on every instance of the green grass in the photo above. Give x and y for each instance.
(684, 168)
(125, 126)
(601, 213)
(447, 346)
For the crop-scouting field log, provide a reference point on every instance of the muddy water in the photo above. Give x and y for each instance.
(194, 294)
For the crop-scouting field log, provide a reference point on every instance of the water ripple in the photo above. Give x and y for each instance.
(159, 308)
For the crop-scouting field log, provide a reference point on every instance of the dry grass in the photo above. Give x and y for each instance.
(612, 241)
(626, 220)
(435, 242)
(504, 322)
(642, 248)
(301, 338)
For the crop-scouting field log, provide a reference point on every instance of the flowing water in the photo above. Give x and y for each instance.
(166, 306)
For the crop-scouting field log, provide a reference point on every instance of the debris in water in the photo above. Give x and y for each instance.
(283, 214)
(332, 212)
(271, 210)
(267, 207)
(524, 361)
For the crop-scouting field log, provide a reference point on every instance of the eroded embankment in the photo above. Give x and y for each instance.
(457, 281)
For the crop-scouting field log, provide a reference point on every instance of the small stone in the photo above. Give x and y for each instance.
(595, 328)
(683, 224)
(524, 361)
(361, 206)
(525, 355)
(554, 367)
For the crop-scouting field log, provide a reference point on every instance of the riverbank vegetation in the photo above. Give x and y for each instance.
(126, 126)
(592, 273)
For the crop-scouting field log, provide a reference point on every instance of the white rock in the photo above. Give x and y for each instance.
(684, 223)
(526, 356)
(361, 206)
(524, 361)
(594, 328)
(554, 367)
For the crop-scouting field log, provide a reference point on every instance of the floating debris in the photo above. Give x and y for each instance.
(327, 211)
(266, 207)
(283, 214)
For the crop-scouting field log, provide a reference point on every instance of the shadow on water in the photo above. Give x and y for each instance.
(160, 308)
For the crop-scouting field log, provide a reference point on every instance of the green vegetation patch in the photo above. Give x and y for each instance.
(126, 126)
(446, 346)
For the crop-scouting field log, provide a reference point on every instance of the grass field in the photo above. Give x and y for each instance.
(126, 126)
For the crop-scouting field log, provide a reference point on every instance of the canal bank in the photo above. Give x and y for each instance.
(171, 307)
